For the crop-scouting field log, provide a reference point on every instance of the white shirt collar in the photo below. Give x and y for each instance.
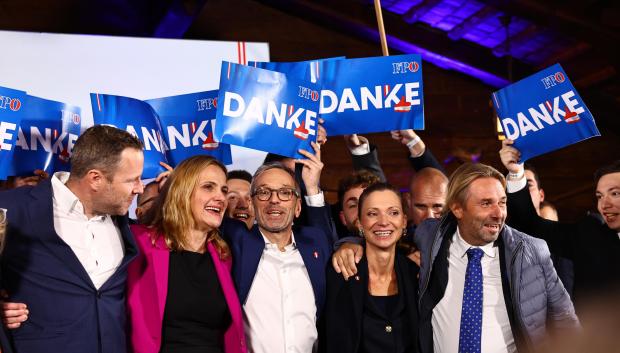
(461, 246)
(66, 200)
(270, 245)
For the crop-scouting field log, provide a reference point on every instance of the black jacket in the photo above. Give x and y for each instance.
(592, 246)
(344, 308)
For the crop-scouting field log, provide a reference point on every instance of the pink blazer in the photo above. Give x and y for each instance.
(147, 287)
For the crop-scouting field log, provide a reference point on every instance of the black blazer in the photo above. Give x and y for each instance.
(344, 308)
(591, 245)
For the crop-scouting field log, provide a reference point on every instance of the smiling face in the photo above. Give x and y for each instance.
(208, 200)
(382, 219)
(274, 215)
(482, 217)
(240, 201)
(119, 190)
(608, 199)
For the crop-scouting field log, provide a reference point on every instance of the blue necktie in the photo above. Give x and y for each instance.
(471, 313)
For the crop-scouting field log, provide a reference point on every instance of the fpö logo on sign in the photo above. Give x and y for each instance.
(553, 80)
(307, 93)
(206, 103)
(10, 103)
(405, 67)
(73, 117)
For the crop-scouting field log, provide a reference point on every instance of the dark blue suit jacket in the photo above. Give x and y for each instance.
(67, 312)
(247, 247)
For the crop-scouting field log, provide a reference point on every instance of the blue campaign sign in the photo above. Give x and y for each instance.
(372, 94)
(138, 118)
(188, 122)
(11, 112)
(308, 70)
(46, 136)
(266, 110)
(543, 113)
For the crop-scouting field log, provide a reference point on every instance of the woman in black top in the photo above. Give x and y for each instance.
(180, 294)
(376, 310)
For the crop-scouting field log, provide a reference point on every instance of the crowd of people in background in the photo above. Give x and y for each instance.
(221, 261)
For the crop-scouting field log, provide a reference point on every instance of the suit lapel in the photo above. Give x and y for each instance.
(160, 257)
(251, 251)
(228, 287)
(314, 262)
(42, 217)
(131, 250)
(358, 288)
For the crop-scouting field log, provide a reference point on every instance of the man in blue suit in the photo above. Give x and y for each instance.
(68, 246)
(279, 269)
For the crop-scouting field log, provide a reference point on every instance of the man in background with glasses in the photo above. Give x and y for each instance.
(278, 267)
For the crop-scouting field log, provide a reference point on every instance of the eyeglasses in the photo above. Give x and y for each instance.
(284, 194)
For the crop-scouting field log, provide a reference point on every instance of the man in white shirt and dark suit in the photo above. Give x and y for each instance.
(68, 245)
(279, 268)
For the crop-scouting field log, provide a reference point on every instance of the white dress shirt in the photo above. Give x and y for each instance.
(96, 242)
(496, 332)
(280, 311)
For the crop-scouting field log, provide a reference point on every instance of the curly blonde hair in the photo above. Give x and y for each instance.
(172, 216)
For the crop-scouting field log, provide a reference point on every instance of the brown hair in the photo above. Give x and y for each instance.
(100, 147)
(461, 179)
(172, 214)
(362, 178)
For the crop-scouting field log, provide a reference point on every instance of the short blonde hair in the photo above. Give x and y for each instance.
(461, 179)
(172, 214)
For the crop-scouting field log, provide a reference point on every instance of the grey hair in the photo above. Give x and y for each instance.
(273, 165)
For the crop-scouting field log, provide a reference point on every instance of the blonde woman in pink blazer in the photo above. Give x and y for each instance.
(181, 297)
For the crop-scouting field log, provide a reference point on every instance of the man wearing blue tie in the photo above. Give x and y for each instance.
(485, 287)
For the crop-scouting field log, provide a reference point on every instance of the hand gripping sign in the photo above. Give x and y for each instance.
(543, 113)
(372, 94)
(11, 102)
(46, 136)
(188, 123)
(266, 110)
(307, 70)
(138, 118)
